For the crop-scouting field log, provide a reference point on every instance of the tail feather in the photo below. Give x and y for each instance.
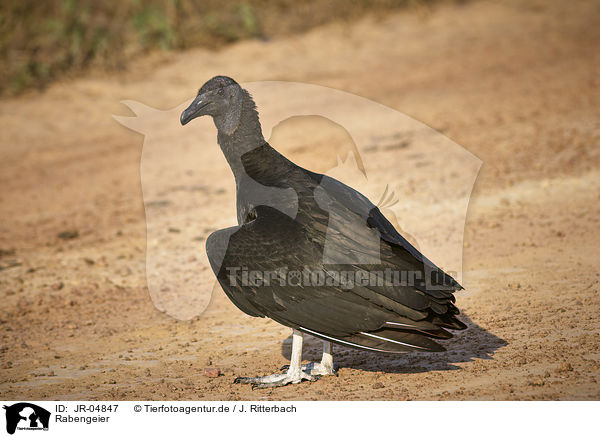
(384, 340)
(403, 341)
(448, 321)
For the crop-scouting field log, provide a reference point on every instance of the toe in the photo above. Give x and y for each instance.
(261, 385)
(241, 380)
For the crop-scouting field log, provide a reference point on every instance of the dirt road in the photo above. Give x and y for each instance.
(516, 83)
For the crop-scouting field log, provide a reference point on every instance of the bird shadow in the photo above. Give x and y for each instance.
(467, 345)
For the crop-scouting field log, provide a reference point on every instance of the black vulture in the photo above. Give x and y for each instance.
(314, 254)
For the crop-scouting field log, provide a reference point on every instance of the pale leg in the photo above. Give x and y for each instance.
(325, 367)
(294, 374)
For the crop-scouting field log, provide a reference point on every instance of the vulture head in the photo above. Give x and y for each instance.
(221, 98)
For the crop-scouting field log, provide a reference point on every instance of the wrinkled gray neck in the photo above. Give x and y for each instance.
(246, 137)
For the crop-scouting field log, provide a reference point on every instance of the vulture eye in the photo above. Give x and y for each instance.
(220, 91)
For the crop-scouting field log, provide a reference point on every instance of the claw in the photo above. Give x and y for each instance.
(277, 380)
(285, 381)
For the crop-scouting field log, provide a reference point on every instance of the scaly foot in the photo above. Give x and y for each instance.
(276, 380)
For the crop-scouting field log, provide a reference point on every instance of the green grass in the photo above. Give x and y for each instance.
(43, 40)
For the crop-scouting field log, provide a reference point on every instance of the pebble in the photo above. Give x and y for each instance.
(212, 372)
(68, 235)
(538, 382)
(566, 367)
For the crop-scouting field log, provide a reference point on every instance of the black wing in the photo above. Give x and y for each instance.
(361, 316)
(352, 219)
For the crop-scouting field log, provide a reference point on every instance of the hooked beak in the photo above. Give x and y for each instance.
(194, 110)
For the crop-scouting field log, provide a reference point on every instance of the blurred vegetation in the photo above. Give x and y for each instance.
(41, 40)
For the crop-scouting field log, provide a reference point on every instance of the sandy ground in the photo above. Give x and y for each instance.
(516, 83)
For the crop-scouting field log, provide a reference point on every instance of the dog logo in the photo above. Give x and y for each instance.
(26, 416)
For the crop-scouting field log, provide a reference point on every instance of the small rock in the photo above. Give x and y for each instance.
(538, 382)
(89, 261)
(7, 252)
(521, 361)
(566, 367)
(174, 230)
(212, 372)
(68, 235)
(378, 385)
(58, 286)
(124, 271)
(158, 203)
